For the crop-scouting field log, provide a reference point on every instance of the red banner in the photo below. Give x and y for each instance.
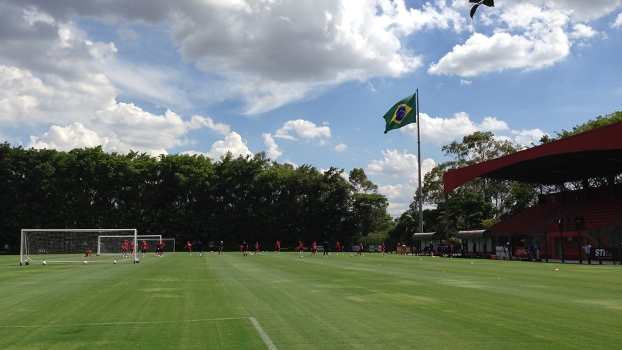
(521, 253)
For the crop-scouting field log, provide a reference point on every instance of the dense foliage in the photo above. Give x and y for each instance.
(185, 197)
(477, 200)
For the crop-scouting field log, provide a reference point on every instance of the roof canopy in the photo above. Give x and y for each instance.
(590, 154)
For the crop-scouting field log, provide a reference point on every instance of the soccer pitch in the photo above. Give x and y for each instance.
(271, 301)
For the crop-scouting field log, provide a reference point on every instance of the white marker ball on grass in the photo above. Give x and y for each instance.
(44, 263)
(85, 262)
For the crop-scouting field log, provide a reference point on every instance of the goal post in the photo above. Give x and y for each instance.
(68, 245)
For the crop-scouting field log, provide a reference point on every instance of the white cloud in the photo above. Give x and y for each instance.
(528, 35)
(25, 97)
(400, 195)
(287, 49)
(493, 124)
(618, 22)
(303, 128)
(465, 82)
(341, 147)
(527, 137)
(74, 136)
(232, 143)
(273, 149)
(582, 10)
(394, 164)
(439, 130)
(582, 31)
(142, 129)
(197, 121)
(481, 54)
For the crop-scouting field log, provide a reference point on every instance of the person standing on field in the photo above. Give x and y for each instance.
(382, 247)
(143, 249)
(338, 247)
(220, 247)
(278, 247)
(200, 248)
(256, 247)
(300, 247)
(125, 246)
(588, 249)
(314, 248)
(189, 247)
(244, 248)
(326, 248)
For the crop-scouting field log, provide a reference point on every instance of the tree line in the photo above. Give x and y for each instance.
(187, 197)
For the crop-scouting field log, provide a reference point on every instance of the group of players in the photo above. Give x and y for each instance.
(128, 248)
(301, 248)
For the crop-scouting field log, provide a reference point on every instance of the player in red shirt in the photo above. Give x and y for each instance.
(189, 247)
(338, 247)
(361, 249)
(300, 247)
(132, 248)
(125, 246)
(278, 247)
(89, 252)
(256, 247)
(382, 247)
(144, 248)
(314, 248)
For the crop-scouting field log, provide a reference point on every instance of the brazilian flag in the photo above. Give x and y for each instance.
(402, 113)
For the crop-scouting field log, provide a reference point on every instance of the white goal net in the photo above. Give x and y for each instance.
(73, 245)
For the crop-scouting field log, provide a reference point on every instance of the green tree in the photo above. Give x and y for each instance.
(479, 199)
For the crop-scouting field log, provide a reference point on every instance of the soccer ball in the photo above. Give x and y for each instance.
(44, 263)
(114, 262)
(301, 257)
(85, 262)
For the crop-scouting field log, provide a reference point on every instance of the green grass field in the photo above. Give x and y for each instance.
(271, 301)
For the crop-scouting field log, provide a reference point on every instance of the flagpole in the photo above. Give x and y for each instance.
(419, 165)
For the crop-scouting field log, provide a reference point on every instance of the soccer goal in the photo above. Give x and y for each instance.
(71, 245)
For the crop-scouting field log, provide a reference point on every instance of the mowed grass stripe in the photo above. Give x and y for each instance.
(340, 302)
(133, 304)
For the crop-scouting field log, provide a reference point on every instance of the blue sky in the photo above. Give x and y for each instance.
(307, 82)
